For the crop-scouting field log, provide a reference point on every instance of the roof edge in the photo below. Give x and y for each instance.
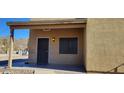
(48, 22)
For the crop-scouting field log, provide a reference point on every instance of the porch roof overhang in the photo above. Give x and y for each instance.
(48, 24)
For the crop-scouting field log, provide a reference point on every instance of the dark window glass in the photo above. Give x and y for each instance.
(68, 45)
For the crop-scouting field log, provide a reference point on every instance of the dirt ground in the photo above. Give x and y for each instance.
(15, 56)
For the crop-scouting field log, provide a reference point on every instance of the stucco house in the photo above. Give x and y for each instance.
(95, 43)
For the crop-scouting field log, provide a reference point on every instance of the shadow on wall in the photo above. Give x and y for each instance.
(111, 71)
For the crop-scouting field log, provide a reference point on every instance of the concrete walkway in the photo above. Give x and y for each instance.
(49, 71)
(44, 69)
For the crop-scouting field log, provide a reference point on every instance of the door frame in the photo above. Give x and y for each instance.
(37, 47)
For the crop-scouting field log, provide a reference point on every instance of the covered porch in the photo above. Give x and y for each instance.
(44, 25)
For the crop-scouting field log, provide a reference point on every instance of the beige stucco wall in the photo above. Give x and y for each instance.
(54, 56)
(105, 44)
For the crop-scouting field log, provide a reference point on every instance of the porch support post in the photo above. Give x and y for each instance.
(11, 48)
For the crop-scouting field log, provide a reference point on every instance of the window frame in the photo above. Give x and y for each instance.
(68, 49)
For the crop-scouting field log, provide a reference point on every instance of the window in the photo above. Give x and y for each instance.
(68, 46)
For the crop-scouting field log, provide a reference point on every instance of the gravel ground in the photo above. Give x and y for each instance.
(15, 56)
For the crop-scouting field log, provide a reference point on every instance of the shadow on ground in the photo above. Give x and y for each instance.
(22, 63)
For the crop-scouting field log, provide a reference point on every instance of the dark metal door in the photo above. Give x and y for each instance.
(42, 51)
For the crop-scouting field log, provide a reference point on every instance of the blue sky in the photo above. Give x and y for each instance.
(18, 34)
